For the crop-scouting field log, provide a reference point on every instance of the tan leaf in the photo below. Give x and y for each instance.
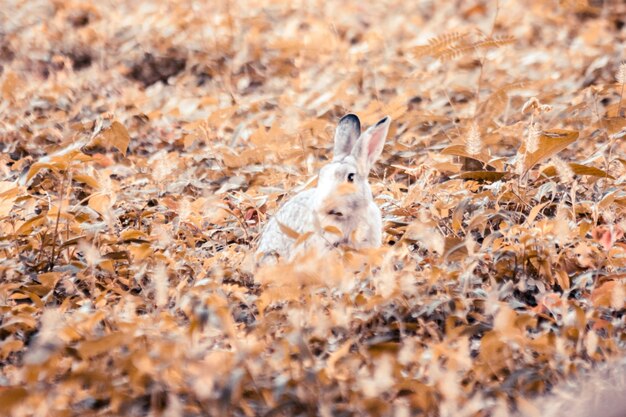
(534, 212)
(141, 251)
(614, 124)
(288, 230)
(100, 203)
(578, 169)
(10, 397)
(483, 175)
(603, 296)
(115, 136)
(29, 225)
(459, 150)
(551, 142)
(9, 346)
(49, 279)
(303, 237)
(38, 166)
(333, 230)
(90, 348)
(8, 195)
(563, 279)
(133, 235)
(274, 294)
(87, 179)
(10, 85)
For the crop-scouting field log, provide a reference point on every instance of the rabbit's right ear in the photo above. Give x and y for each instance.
(369, 147)
(346, 135)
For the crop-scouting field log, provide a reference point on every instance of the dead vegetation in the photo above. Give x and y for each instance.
(145, 143)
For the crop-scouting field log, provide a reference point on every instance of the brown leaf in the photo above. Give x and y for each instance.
(459, 150)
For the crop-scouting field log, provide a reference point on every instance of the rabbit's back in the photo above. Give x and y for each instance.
(297, 214)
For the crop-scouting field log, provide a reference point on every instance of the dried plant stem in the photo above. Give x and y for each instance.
(58, 219)
(484, 58)
(621, 98)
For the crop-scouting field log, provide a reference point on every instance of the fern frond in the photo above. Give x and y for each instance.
(439, 43)
(458, 50)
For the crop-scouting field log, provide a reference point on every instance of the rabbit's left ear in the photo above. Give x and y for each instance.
(370, 145)
(346, 135)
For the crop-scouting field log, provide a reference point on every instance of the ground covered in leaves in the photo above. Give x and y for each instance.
(144, 144)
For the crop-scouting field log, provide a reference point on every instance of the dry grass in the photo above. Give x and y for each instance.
(146, 143)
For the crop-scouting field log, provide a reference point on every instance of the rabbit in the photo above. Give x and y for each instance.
(340, 210)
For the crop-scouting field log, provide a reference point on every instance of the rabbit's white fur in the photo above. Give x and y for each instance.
(341, 208)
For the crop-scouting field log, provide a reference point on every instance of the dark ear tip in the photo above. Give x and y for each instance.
(383, 120)
(351, 117)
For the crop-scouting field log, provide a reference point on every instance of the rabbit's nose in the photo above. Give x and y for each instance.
(335, 213)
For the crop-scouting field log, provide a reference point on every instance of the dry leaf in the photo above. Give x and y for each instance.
(115, 136)
(578, 169)
(551, 142)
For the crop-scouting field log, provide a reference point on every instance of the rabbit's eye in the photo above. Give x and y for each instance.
(351, 177)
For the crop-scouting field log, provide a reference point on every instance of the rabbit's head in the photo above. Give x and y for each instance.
(343, 187)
